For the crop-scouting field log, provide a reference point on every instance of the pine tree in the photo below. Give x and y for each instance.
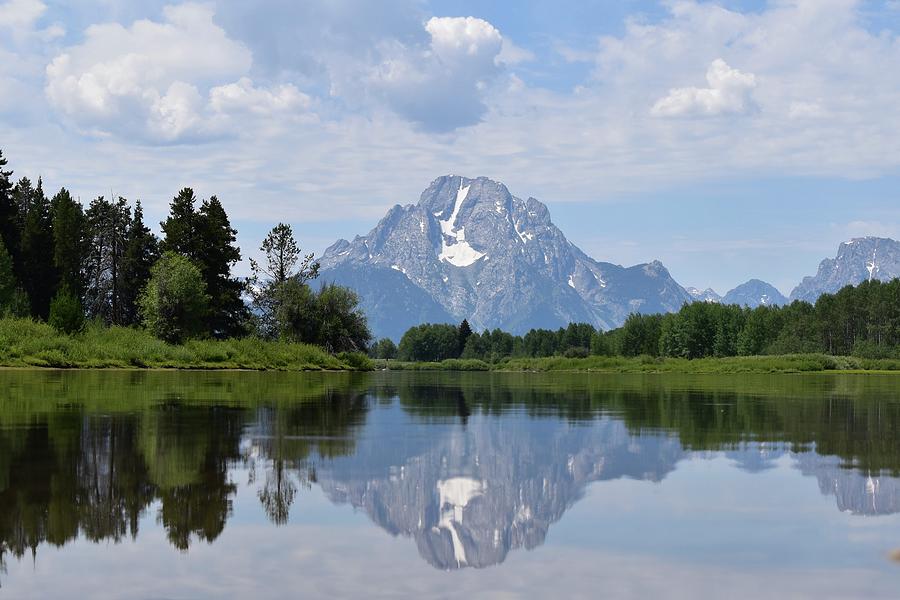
(107, 225)
(38, 271)
(7, 280)
(10, 221)
(284, 263)
(216, 255)
(69, 233)
(180, 228)
(283, 258)
(141, 252)
(465, 331)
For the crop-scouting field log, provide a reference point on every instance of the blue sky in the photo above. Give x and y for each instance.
(729, 139)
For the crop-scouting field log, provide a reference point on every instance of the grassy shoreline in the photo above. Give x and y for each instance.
(791, 363)
(28, 344)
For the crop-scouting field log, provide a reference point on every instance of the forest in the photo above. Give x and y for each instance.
(79, 268)
(861, 321)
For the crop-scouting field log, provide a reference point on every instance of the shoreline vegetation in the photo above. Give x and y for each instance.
(25, 343)
(788, 363)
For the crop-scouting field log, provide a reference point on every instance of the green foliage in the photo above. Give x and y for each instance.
(180, 227)
(174, 303)
(342, 325)
(38, 271)
(10, 217)
(429, 343)
(24, 342)
(384, 349)
(20, 306)
(330, 318)
(216, 255)
(141, 251)
(277, 279)
(355, 360)
(66, 313)
(640, 335)
(295, 316)
(7, 280)
(863, 321)
(205, 236)
(69, 244)
(465, 330)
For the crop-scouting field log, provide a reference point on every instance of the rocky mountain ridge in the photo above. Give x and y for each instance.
(470, 249)
(857, 260)
(755, 293)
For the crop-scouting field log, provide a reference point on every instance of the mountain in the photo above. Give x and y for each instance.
(470, 249)
(858, 260)
(707, 295)
(755, 293)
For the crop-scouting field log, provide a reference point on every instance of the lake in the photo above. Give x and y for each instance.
(266, 485)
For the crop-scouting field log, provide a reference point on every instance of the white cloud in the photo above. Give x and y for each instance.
(442, 87)
(243, 97)
(21, 13)
(463, 39)
(161, 81)
(729, 92)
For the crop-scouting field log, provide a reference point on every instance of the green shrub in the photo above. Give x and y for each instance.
(175, 302)
(66, 313)
(356, 360)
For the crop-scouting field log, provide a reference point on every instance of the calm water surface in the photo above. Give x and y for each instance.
(204, 485)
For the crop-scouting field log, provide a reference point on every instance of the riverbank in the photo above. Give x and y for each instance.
(791, 363)
(25, 343)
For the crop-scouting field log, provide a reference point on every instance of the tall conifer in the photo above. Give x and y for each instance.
(38, 272)
(141, 251)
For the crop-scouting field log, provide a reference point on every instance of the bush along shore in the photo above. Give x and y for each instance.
(27, 343)
(788, 363)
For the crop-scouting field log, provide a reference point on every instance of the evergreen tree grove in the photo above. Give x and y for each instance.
(7, 280)
(9, 215)
(37, 251)
(141, 252)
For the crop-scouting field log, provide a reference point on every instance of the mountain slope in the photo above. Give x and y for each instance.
(480, 253)
(755, 293)
(707, 295)
(857, 260)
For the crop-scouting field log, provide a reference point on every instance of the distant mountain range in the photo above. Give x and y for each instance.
(470, 249)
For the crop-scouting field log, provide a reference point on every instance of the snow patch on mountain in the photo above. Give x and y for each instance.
(458, 252)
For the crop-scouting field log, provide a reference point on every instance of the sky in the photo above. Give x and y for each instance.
(731, 140)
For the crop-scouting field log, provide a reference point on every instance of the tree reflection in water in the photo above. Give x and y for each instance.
(503, 457)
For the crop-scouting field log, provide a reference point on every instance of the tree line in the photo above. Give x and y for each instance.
(862, 320)
(65, 263)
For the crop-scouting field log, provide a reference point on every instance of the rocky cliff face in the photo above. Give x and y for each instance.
(858, 260)
(755, 293)
(470, 249)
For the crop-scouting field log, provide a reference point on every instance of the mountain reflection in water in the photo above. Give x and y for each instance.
(470, 467)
